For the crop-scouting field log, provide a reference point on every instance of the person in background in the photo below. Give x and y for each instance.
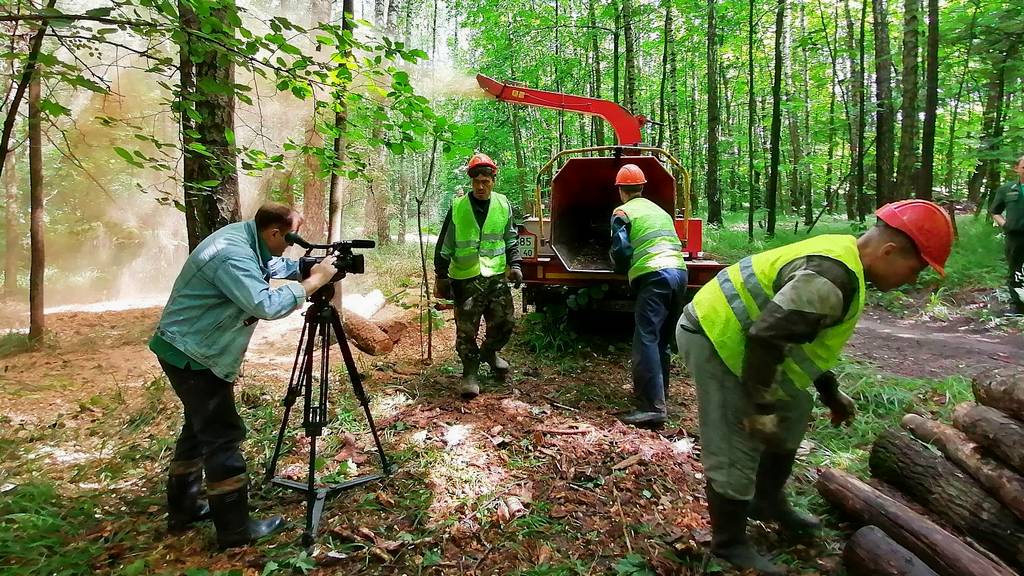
(646, 248)
(1007, 211)
(476, 256)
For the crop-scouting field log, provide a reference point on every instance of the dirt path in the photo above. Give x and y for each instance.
(932, 349)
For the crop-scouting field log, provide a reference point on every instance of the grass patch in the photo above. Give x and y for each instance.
(13, 343)
(882, 401)
(41, 532)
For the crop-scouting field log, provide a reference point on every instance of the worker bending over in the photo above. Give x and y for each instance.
(761, 333)
(646, 248)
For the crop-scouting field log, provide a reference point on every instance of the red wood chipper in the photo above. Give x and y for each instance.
(564, 241)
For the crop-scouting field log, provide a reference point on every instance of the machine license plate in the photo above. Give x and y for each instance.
(528, 246)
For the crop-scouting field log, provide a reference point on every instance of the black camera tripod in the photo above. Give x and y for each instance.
(322, 320)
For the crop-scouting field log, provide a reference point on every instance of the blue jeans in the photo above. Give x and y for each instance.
(659, 302)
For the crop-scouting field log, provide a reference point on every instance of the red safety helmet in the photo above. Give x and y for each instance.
(927, 224)
(630, 175)
(481, 159)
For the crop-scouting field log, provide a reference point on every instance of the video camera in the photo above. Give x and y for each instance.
(346, 262)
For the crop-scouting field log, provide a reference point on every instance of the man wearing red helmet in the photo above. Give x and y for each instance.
(1007, 210)
(766, 329)
(476, 255)
(646, 248)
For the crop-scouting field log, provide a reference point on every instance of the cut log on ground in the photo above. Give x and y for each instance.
(1002, 391)
(949, 492)
(393, 327)
(994, 430)
(940, 550)
(1006, 485)
(366, 336)
(871, 553)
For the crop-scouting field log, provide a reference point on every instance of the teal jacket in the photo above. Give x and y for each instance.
(222, 290)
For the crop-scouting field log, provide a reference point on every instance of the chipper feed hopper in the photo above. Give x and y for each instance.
(565, 236)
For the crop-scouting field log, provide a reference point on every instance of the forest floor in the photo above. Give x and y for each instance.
(535, 476)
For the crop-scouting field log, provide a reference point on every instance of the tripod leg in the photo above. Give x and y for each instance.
(295, 383)
(357, 385)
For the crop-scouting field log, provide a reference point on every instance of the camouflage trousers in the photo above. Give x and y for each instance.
(476, 298)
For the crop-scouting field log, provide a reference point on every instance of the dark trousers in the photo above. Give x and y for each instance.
(479, 298)
(1015, 261)
(213, 430)
(659, 302)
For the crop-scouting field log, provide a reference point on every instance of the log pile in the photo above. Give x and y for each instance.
(966, 477)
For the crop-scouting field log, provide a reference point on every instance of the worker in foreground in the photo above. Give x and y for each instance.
(478, 248)
(646, 248)
(761, 333)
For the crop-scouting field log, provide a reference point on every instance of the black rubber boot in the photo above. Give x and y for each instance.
(469, 386)
(499, 366)
(644, 419)
(234, 527)
(770, 504)
(729, 535)
(184, 507)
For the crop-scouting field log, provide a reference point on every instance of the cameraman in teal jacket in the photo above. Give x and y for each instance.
(204, 331)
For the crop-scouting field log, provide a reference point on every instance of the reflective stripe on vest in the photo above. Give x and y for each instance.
(479, 252)
(652, 234)
(728, 306)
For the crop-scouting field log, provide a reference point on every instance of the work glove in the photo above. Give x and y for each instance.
(840, 405)
(763, 425)
(515, 276)
(443, 288)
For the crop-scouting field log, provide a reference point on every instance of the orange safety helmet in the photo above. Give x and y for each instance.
(481, 159)
(927, 224)
(630, 175)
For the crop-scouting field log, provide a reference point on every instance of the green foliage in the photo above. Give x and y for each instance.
(40, 531)
(882, 401)
(634, 565)
(13, 343)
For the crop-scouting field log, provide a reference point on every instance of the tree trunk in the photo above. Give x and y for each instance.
(949, 493)
(314, 202)
(776, 128)
(336, 198)
(1000, 481)
(995, 162)
(27, 73)
(994, 430)
(525, 198)
(37, 210)
(380, 12)
(713, 192)
(808, 170)
(403, 200)
(1002, 391)
(942, 551)
(597, 123)
(871, 553)
(12, 240)
(209, 168)
(862, 199)
(751, 116)
(675, 144)
(884, 113)
(615, 51)
(987, 138)
(629, 101)
(666, 41)
(392, 28)
(950, 148)
(908, 111)
(925, 182)
(855, 123)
